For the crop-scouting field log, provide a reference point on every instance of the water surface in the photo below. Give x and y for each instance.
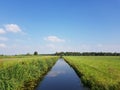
(61, 77)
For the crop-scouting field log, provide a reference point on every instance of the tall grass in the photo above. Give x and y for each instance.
(97, 72)
(23, 73)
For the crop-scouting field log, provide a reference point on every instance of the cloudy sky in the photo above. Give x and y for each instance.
(49, 26)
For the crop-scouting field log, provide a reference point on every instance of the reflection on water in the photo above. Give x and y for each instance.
(55, 73)
(61, 77)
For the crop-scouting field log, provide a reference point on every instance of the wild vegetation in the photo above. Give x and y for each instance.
(97, 72)
(23, 72)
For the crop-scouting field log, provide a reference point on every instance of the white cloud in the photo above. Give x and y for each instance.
(99, 48)
(3, 39)
(13, 28)
(54, 39)
(2, 45)
(2, 31)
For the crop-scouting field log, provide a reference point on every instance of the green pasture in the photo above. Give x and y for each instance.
(97, 72)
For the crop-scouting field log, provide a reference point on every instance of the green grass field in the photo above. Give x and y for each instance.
(97, 72)
(23, 72)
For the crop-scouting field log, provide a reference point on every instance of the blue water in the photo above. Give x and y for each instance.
(61, 77)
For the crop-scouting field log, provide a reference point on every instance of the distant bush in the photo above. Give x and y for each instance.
(35, 53)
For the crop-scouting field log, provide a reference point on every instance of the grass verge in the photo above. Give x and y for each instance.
(22, 73)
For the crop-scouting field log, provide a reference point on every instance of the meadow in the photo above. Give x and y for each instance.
(97, 72)
(23, 72)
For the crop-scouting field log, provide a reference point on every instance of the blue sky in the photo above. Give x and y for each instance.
(49, 26)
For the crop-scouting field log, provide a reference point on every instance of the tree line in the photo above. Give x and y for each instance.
(87, 54)
(73, 54)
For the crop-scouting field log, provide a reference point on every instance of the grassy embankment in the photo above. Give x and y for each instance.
(97, 72)
(23, 72)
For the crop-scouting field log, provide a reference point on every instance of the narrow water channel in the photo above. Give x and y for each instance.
(61, 77)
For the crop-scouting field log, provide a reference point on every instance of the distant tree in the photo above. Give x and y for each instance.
(28, 54)
(35, 53)
(1, 55)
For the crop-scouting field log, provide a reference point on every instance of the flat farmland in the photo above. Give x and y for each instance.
(97, 72)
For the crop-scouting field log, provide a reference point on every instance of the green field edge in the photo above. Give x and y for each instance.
(88, 83)
(32, 85)
(26, 74)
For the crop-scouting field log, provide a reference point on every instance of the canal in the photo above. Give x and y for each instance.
(61, 77)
